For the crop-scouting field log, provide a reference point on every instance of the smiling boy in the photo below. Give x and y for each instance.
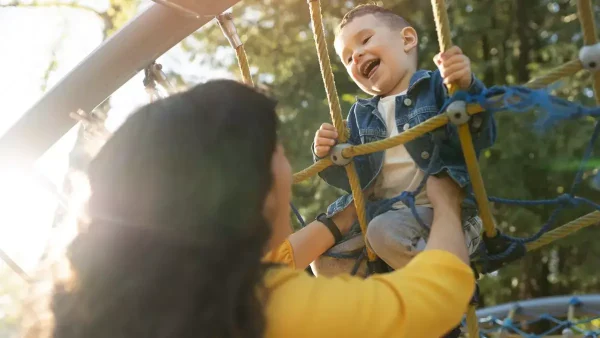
(379, 50)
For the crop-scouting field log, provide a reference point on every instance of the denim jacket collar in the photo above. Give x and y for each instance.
(417, 77)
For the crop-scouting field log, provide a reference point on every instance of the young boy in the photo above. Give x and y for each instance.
(379, 51)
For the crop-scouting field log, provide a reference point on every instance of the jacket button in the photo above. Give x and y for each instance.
(407, 102)
(406, 127)
(425, 155)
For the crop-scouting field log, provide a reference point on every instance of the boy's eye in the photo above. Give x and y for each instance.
(349, 59)
(366, 40)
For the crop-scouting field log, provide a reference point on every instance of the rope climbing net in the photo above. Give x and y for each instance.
(458, 109)
(494, 99)
(545, 317)
(498, 249)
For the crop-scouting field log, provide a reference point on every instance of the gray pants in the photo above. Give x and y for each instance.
(396, 236)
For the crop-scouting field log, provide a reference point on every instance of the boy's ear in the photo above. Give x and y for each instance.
(410, 37)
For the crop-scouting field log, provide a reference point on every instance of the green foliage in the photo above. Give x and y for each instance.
(118, 14)
(508, 42)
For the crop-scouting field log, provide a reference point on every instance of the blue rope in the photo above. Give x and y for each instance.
(562, 201)
(586, 157)
(565, 200)
(521, 99)
(344, 255)
(408, 197)
(537, 235)
(511, 326)
(298, 215)
(503, 255)
(520, 202)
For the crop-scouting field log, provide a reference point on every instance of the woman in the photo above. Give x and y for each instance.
(187, 198)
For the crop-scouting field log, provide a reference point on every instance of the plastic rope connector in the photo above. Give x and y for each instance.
(336, 154)
(590, 57)
(457, 112)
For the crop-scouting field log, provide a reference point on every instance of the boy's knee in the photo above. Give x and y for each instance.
(377, 232)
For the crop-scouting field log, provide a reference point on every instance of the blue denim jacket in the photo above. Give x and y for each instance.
(425, 96)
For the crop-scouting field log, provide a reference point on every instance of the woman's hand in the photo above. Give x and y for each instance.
(446, 231)
(444, 193)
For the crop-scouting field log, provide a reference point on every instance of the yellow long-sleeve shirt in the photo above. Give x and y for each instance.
(425, 299)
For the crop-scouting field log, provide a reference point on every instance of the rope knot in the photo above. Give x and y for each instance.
(408, 198)
(567, 200)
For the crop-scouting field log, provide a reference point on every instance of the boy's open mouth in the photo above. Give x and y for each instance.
(369, 67)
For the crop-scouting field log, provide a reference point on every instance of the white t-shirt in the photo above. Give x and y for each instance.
(399, 171)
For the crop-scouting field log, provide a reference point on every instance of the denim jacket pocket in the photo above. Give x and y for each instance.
(421, 114)
(371, 134)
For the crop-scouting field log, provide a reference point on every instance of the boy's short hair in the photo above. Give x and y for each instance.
(390, 18)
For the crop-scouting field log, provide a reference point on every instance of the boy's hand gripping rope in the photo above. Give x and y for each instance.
(464, 133)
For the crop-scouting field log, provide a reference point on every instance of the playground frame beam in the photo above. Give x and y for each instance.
(146, 37)
(554, 306)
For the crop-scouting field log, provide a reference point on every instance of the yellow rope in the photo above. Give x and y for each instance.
(442, 26)
(564, 70)
(327, 73)
(564, 230)
(226, 23)
(472, 322)
(312, 170)
(597, 87)
(406, 136)
(466, 141)
(336, 113)
(359, 202)
(588, 26)
(586, 18)
(240, 53)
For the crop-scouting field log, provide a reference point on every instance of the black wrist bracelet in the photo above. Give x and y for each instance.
(335, 231)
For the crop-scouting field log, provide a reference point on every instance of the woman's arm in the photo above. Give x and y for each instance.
(304, 246)
(314, 239)
(425, 299)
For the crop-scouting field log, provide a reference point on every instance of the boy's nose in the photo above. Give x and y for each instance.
(357, 56)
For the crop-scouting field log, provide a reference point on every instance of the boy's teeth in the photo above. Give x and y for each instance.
(369, 67)
(366, 69)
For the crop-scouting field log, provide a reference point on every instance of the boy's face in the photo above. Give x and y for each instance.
(376, 55)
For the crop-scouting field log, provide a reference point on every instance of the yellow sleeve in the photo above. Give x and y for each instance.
(427, 298)
(282, 255)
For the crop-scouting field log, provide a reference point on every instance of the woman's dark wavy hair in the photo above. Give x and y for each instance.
(176, 236)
